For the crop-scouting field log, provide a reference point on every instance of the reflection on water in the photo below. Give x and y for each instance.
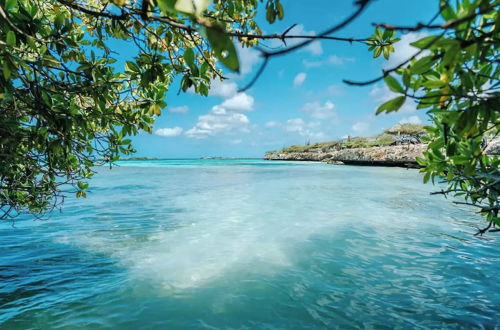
(228, 243)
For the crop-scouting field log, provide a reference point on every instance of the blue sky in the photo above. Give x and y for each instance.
(299, 97)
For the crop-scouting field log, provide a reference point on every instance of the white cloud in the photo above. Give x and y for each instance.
(270, 124)
(239, 102)
(315, 48)
(360, 127)
(336, 60)
(403, 50)
(181, 109)
(335, 90)
(312, 64)
(224, 117)
(295, 125)
(247, 57)
(318, 111)
(299, 126)
(216, 122)
(299, 79)
(331, 60)
(225, 89)
(382, 93)
(169, 132)
(411, 120)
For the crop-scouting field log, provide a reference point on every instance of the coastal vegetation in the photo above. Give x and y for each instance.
(398, 134)
(410, 133)
(65, 102)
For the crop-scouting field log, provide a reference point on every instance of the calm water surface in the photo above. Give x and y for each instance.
(250, 244)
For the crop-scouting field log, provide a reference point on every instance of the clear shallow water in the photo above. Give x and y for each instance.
(250, 244)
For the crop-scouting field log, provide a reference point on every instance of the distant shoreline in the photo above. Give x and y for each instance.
(192, 158)
(139, 158)
(390, 156)
(401, 155)
(218, 157)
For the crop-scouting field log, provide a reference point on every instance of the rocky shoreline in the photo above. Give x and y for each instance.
(401, 156)
(396, 156)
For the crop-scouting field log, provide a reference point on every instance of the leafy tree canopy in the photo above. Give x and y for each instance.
(455, 77)
(66, 101)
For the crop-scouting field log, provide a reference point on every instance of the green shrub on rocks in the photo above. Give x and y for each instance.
(384, 140)
(357, 142)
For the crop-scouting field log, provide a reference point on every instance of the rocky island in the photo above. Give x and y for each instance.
(396, 155)
(398, 146)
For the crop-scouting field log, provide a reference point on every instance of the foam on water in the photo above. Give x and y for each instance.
(236, 227)
(253, 225)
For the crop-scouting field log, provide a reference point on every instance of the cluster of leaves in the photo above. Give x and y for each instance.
(274, 9)
(67, 100)
(456, 77)
(382, 42)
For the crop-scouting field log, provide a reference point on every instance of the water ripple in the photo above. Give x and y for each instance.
(248, 244)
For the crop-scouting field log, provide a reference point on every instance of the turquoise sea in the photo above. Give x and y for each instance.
(250, 244)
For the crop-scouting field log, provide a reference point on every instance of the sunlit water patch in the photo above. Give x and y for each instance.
(250, 244)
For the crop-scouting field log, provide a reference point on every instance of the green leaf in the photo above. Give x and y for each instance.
(6, 70)
(270, 14)
(119, 3)
(223, 47)
(189, 58)
(10, 4)
(167, 6)
(186, 83)
(451, 55)
(59, 21)
(422, 65)
(154, 110)
(203, 89)
(406, 77)
(192, 6)
(447, 11)
(82, 185)
(281, 12)
(11, 39)
(392, 105)
(132, 66)
(425, 43)
(393, 84)
(434, 84)
(427, 176)
(386, 52)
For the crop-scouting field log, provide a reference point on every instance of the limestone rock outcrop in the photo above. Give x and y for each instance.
(400, 155)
